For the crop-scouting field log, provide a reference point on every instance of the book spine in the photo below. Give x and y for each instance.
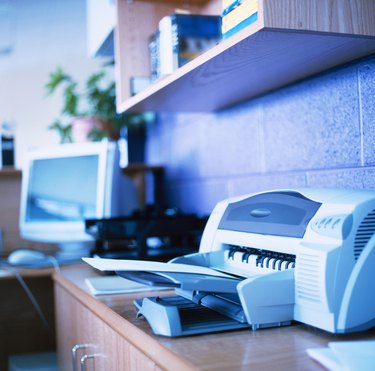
(183, 37)
(228, 5)
(153, 47)
(166, 46)
(175, 43)
(253, 18)
(243, 11)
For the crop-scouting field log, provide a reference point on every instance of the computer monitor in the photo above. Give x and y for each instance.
(66, 184)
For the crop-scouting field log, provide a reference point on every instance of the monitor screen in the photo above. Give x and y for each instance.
(75, 198)
(66, 184)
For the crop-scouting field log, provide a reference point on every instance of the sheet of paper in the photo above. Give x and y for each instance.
(116, 285)
(355, 355)
(326, 357)
(149, 266)
(346, 355)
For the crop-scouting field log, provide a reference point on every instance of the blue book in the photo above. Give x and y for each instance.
(230, 7)
(182, 37)
(246, 22)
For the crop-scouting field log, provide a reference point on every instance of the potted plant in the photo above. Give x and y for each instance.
(89, 114)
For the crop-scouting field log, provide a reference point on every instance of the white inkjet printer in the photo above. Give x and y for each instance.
(306, 255)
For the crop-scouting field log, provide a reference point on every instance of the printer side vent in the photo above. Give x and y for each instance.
(365, 231)
(307, 277)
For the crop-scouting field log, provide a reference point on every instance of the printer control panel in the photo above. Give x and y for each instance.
(335, 226)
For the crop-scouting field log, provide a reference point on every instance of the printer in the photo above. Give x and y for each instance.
(304, 255)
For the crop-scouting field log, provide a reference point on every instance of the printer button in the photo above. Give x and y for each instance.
(336, 223)
(328, 222)
(321, 222)
(331, 226)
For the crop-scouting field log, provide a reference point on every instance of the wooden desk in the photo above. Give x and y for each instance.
(21, 329)
(126, 342)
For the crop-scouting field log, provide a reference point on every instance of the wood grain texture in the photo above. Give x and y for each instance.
(254, 65)
(355, 17)
(78, 324)
(277, 348)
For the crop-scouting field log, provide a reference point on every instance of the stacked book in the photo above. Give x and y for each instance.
(238, 14)
(180, 38)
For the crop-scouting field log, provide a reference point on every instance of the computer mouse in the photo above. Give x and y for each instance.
(26, 257)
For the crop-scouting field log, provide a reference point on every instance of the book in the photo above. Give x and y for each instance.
(153, 48)
(228, 5)
(243, 14)
(182, 37)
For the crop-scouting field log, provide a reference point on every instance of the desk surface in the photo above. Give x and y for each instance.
(268, 349)
(8, 273)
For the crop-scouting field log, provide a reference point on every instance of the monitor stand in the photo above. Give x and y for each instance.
(72, 252)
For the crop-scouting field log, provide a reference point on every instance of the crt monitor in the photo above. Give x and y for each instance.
(64, 185)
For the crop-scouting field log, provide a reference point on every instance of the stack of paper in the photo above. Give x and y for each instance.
(346, 355)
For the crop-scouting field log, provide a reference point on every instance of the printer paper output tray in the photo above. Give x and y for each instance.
(183, 281)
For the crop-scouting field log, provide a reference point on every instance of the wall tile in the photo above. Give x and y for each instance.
(261, 182)
(232, 143)
(186, 138)
(305, 135)
(158, 146)
(367, 92)
(314, 124)
(197, 196)
(354, 178)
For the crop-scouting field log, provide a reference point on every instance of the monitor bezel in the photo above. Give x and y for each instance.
(74, 231)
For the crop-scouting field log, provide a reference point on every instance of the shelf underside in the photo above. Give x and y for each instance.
(262, 62)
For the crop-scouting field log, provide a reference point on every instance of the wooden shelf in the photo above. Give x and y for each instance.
(135, 168)
(10, 172)
(290, 41)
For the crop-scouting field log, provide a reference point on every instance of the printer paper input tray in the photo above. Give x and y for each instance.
(184, 281)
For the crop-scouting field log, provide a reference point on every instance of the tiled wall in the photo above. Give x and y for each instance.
(316, 133)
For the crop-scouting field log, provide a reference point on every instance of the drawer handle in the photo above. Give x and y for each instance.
(85, 357)
(74, 353)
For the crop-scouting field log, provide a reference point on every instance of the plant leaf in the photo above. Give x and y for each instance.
(65, 131)
(71, 100)
(55, 79)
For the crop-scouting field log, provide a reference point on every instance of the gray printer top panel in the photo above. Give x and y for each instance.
(280, 213)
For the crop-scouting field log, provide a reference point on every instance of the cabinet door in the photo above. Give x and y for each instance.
(69, 327)
(76, 324)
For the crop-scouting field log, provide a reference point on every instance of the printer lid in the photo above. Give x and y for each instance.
(279, 213)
